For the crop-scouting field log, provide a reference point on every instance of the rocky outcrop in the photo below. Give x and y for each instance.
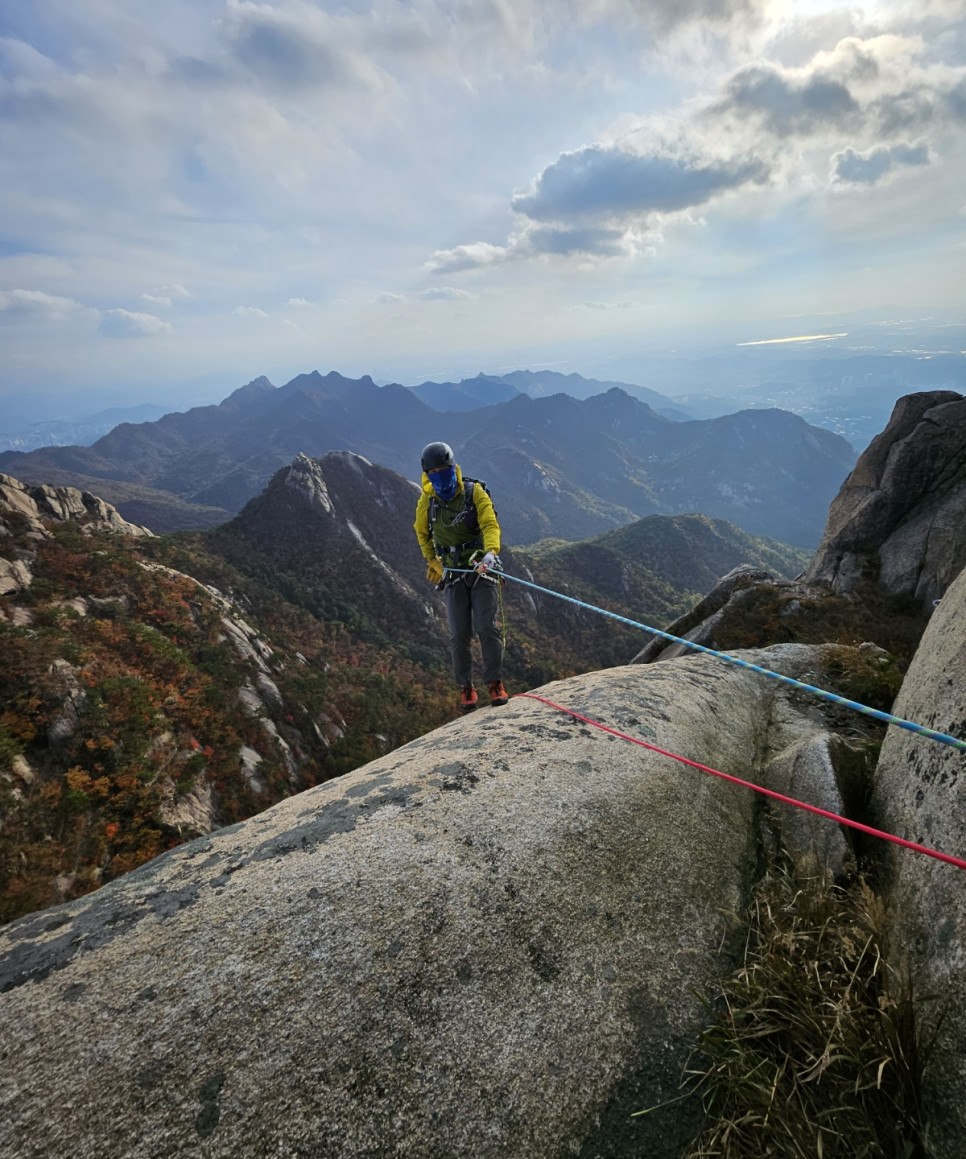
(37, 504)
(920, 793)
(491, 942)
(701, 623)
(900, 515)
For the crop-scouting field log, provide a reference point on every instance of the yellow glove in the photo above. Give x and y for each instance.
(434, 571)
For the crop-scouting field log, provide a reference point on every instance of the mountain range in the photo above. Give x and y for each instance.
(560, 466)
(487, 389)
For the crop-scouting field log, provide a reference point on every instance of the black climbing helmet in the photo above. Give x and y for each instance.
(437, 455)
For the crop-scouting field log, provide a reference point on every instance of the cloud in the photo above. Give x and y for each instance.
(249, 312)
(467, 257)
(603, 243)
(789, 101)
(388, 298)
(126, 324)
(625, 305)
(156, 299)
(956, 101)
(443, 294)
(881, 85)
(300, 302)
(294, 50)
(606, 182)
(868, 168)
(36, 302)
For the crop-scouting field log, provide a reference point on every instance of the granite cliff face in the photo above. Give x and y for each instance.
(488, 942)
(920, 791)
(899, 517)
(32, 506)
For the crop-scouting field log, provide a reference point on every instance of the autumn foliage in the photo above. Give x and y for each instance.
(122, 725)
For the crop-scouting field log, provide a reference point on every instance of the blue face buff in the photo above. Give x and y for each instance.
(444, 483)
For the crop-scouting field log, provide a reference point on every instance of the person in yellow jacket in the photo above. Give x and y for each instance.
(456, 525)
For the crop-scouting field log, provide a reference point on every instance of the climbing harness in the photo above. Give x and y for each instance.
(494, 576)
(834, 698)
(913, 845)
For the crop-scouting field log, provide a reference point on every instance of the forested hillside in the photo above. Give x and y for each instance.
(141, 708)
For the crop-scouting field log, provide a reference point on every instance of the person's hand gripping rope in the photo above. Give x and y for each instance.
(488, 561)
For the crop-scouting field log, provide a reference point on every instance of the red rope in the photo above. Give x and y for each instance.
(916, 848)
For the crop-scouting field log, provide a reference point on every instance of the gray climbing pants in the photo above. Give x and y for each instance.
(471, 607)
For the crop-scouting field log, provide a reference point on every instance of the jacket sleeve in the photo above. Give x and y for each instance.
(421, 527)
(489, 527)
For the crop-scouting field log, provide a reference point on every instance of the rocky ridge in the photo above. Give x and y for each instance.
(33, 507)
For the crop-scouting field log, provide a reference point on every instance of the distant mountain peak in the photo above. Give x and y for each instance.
(247, 393)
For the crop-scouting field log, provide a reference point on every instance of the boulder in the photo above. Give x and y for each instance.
(490, 942)
(920, 794)
(899, 516)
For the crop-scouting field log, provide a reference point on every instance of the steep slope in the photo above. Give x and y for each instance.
(140, 707)
(342, 528)
(520, 898)
(920, 789)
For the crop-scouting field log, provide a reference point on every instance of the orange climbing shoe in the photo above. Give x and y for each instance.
(468, 698)
(498, 694)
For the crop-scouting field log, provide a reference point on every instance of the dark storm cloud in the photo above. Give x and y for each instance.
(787, 104)
(603, 182)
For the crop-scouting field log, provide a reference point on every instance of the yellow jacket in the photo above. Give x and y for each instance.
(489, 527)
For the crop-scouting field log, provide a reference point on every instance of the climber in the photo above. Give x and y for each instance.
(456, 525)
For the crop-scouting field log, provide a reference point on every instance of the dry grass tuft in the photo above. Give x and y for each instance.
(812, 1052)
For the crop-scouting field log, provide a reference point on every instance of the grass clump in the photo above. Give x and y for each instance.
(866, 674)
(812, 1051)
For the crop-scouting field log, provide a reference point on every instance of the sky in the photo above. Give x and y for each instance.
(197, 192)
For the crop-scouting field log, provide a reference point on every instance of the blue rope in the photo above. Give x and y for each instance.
(910, 726)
